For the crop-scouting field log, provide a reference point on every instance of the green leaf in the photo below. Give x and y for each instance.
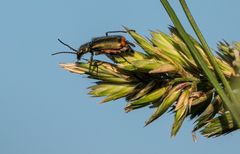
(147, 64)
(179, 118)
(172, 96)
(121, 93)
(144, 90)
(181, 111)
(142, 42)
(220, 125)
(209, 113)
(112, 91)
(127, 57)
(165, 68)
(147, 99)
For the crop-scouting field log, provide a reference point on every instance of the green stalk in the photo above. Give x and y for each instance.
(199, 59)
(208, 52)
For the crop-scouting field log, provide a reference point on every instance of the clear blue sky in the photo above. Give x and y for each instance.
(46, 110)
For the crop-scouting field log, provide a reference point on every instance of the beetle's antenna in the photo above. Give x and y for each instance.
(67, 45)
(63, 52)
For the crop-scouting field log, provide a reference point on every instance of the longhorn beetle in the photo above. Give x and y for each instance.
(113, 44)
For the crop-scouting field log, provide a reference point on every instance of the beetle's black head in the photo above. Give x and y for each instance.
(85, 48)
(79, 55)
(82, 50)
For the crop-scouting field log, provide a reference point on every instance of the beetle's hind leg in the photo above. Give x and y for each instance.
(118, 31)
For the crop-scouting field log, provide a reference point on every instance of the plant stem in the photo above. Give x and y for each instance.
(208, 52)
(199, 59)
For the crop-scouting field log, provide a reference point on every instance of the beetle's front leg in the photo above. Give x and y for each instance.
(91, 60)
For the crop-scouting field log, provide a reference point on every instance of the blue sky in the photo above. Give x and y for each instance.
(46, 110)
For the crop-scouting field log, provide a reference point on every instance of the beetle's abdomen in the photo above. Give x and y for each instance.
(108, 42)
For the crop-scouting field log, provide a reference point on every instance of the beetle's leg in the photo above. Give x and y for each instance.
(95, 63)
(97, 52)
(131, 44)
(91, 60)
(118, 31)
(125, 59)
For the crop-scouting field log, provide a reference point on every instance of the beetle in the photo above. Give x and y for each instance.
(109, 44)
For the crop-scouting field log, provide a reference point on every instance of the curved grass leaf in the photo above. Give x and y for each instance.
(220, 125)
(172, 96)
(147, 99)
